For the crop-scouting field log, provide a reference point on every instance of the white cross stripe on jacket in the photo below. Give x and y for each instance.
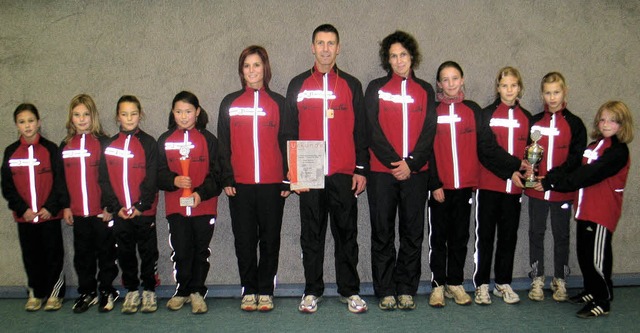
(125, 154)
(30, 163)
(509, 123)
(256, 148)
(591, 155)
(551, 132)
(82, 154)
(452, 118)
(181, 147)
(403, 99)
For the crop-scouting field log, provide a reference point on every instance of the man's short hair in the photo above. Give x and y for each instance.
(325, 28)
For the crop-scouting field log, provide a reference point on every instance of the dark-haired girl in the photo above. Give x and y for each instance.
(187, 172)
(28, 183)
(453, 176)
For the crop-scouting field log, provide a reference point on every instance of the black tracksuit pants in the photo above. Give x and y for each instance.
(190, 237)
(448, 236)
(593, 247)
(338, 203)
(256, 219)
(396, 274)
(137, 233)
(95, 251)
(43, 257)
(496, 211)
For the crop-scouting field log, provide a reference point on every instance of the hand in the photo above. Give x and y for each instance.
(358, 183)
(67, 215)
(517, 178)
(527, 168)
(230, 191)
(106, 216)
(182, 182)
(401, 170)
(438, 195)
(196, 199)
(285, 194)
(538, 187)
(44, 213)
(300, 190)
(29, 215)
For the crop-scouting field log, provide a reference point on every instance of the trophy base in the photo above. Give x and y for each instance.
(530, 183)
(187, 201)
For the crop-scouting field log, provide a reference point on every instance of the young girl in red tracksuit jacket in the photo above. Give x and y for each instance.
(251, 158)
(563, 140)
(93, 242)
(599, 183)
(128, 175)
(504, 131)
(191, 216)
(28, 183)
(454, 171)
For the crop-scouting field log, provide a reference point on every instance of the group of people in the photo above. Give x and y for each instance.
(410, 146)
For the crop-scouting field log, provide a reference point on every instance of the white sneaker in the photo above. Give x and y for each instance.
(536, 293)
(131, 302)
(309, 304)
(507, 294)
(458, 294)
(559, 287)
(355, 304)
(198, 304)
(482, 295)
(436, 299)
(149, 301)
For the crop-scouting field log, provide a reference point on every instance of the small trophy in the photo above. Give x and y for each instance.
(186, 199)
(533, 154)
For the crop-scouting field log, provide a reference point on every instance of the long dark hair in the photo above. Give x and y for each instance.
(191, 98)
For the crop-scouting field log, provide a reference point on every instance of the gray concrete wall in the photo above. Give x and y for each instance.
(53, 50)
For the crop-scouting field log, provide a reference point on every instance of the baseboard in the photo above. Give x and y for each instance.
(296, 289)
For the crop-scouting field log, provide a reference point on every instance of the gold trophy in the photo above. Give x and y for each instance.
(186, 199)
(533, 154)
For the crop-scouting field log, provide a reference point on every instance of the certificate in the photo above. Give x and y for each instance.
(306, 163)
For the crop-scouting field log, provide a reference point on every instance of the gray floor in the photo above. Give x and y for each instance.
(225, 316)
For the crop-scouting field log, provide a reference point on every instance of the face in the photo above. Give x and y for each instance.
(27, 124)
(450, 81)
(81, 119)
(399, 59)
(607, 124)
(185, 115)
(253, 71)
(128, 116)
(508, 89)
(325, 48)
(553, 95)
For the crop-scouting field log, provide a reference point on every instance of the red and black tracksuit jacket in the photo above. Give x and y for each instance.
(455, 163)
(129, 172)
(504, 132)
(204, 171)
(251, 147)
(599, 182)
(563, 138)
(343, 128)
(80, 172)
(402, 119)
(29, 178)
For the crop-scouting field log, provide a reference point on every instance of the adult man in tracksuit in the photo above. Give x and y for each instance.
(324, 103)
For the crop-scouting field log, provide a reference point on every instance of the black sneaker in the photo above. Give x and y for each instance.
(108, 300)
(581, 298)
(83, 302)
(592, 310)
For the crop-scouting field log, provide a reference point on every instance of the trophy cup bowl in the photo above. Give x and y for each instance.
(533, 154)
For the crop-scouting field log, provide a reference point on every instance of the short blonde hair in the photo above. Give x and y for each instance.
(509, 71)
(86, 100)
(621, 115)
(553, 77)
